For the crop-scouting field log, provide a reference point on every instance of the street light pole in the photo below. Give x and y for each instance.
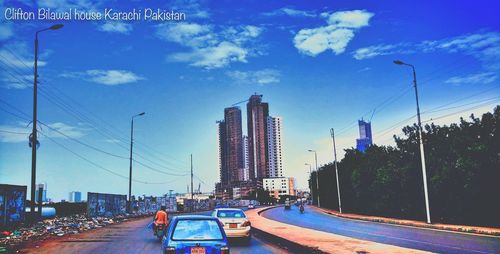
(130, 172)
(420, 140)
(317, 173)
(310, 186)
(332, 132)
(33, 138)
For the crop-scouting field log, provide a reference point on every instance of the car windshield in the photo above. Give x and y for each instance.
(196, 229)
(230, 214)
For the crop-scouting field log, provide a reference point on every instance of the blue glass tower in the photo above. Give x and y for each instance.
(365, 136)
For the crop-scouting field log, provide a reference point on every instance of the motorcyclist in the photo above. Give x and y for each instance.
(161, 218)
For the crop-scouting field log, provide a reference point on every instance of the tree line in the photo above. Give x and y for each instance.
(463, 173)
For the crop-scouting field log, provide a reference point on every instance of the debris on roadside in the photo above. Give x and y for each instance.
(57, 227)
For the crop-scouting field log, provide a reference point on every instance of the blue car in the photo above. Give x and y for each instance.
(195, 234)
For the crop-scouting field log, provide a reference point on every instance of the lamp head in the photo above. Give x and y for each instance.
(55, 27)
(398, 62)
(141, 114)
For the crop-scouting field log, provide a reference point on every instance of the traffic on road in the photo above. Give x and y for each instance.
(136, 237)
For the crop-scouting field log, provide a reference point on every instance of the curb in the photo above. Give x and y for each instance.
(417, 224)
(283, 242)
(293, 247)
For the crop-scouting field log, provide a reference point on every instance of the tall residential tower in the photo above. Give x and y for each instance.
(274, 147)
(257, 113)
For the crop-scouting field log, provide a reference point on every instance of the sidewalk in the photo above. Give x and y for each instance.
(412, 223)
(321, 241)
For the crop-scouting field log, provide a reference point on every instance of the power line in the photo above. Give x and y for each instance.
(15, 132)
(454, 113)
(17, 57)
(397, 96)
(97, 165)
(81, 117)
(483, 102)
(85, 144)
(157, 170)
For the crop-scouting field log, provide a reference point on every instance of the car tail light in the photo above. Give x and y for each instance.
(224, 250)
(246, 223)
(170, 250)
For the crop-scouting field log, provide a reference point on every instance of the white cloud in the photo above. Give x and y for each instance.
(335, 36)
(189, 34)
(192, 8)
(67, 130)
(315, 41)
(207, 48)
(484, 46)
(116, 27)
(478, 78)
(64, 5)
(20, 132)
(105, 77)
(290, 12)
(380, 50)
(212, 57)
(113, 77)
(260, 77)
(14, 81)
(17, 71)
(5, 31)
(14, 134)
(349, 19)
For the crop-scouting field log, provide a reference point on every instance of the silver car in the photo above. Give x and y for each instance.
(235, 222)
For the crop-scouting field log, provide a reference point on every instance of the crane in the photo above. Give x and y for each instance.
(237, 103)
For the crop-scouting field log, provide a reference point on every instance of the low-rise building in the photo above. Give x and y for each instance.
(278, 186)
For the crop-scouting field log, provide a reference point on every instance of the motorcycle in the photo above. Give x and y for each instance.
(160, 231)
(301, 209)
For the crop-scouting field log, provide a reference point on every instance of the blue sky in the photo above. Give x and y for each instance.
(319, 64)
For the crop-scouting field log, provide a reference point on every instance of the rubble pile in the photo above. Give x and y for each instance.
(57, 227)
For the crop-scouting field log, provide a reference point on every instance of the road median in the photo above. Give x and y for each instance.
(315, 241)
(413, 223)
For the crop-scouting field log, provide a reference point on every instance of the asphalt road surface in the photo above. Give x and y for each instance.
(132, 237)
(416, 238)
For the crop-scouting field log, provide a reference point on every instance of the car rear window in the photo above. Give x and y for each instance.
(197, 229)
(230, 214)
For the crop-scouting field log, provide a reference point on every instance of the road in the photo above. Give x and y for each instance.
(132, 237)
(416, 238)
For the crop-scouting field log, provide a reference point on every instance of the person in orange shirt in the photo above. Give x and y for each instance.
(161, 217)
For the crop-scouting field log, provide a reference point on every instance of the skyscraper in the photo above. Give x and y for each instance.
(246, 165)
(274, 147)
(234, 143)
(221, 136)
(365, 136)
(257, 113)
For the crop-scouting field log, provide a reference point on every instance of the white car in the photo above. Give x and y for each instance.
(235, 222)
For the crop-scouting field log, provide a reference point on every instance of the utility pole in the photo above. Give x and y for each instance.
(336, 169)
(421, 142)
(191, 176)
(129, 207)
(310, 177)
(192, 196)
(33, 136)
(317, 175)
